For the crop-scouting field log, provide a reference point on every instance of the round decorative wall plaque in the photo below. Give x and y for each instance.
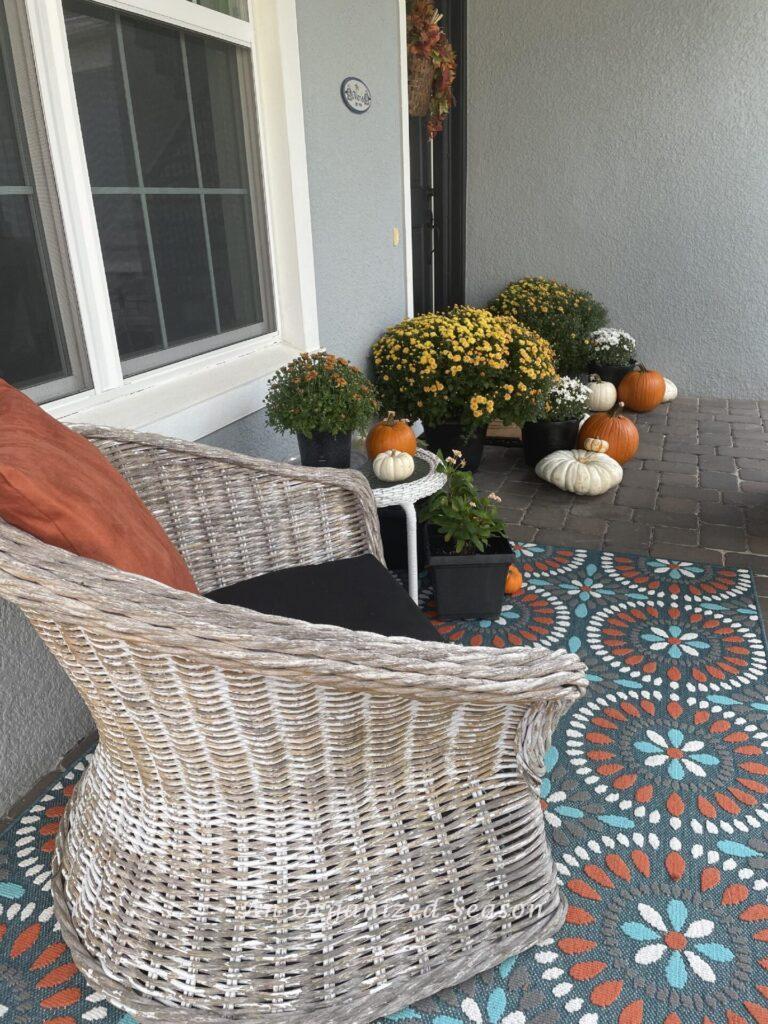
(356, 95)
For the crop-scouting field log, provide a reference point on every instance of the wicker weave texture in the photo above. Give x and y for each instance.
(283, 822)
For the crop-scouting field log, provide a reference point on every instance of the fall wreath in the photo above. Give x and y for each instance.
(431, 66)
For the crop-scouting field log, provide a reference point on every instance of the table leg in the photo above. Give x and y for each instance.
(413, 551)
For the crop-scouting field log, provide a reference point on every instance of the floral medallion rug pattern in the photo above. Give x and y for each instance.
(656, 797)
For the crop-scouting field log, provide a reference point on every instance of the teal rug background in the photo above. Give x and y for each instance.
(656, 797)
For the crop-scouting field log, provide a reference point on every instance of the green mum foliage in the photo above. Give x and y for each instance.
(320, 393)
(562, 315)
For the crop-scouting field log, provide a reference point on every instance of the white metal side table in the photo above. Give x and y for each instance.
(423, 483)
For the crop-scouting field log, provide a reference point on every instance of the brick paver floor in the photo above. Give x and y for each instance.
(697, 490)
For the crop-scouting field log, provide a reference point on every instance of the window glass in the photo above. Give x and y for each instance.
(183, 269)
(157, 87)
(129, 272)
(32, 348)
(237, 8)
(177, 189)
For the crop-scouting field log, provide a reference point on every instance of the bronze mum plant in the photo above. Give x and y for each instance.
(562, 315)
(319, 393)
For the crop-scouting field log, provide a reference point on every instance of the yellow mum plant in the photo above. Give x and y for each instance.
(463, 366)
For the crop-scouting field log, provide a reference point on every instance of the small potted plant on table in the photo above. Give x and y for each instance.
(562, 315)
(469, 553)
(557, 428)
(322, 399)
(458, 370)
(611, 354)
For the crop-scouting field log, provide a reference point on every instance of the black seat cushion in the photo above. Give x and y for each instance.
(357, 593)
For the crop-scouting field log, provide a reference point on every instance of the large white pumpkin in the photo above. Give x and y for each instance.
(602, 395)
(670, 390)
(393, 466)
(580, 472)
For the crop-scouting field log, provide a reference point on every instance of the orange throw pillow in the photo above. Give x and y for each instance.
(57, 486)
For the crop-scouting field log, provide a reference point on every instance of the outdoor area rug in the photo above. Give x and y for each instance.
(656, 797)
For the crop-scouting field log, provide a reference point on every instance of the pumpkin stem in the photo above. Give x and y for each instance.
(616, 410)
(391, 418)
(595, 378)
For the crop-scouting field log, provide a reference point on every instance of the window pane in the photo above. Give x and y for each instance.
(160, 104)
(29, 352)
(100, 97)
(173, 158)
(237, 8)
(234, 261)
(33, 351)
(182, 267)
(213, 75)
(129, 273)
(11, 172)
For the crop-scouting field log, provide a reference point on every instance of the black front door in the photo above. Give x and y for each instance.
(438, 188)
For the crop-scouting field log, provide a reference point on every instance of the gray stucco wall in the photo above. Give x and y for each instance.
(623, 147)
(41, 715)
(356, 193)
(355, 183)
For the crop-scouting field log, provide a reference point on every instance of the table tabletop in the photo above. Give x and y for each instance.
(424, 481)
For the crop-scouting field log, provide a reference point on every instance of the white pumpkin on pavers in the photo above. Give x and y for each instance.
(602, 394)
(670, 391)
(393, 466)
(580, 472)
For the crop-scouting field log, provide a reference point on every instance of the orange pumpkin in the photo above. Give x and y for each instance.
(619, 431)
(514, 583)
(390, 434)
(642, 390)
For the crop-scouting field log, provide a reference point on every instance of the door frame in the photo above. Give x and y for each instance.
(407, 232)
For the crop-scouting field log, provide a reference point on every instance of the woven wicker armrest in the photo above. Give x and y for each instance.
(233, 516)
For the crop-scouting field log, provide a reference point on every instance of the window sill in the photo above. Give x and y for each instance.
(186, 400)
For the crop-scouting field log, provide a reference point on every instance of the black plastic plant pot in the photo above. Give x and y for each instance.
(613, 374)
(468, 586)
(334, 451)
(543, 438)
(447, 437)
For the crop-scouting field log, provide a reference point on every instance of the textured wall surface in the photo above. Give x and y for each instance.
(356, 188)
(41, 715)
(355, 169)
(623, 147)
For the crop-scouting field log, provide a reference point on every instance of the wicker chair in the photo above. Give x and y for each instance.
(283, 822)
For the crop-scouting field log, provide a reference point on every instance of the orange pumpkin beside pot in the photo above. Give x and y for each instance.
(390, 434)
(642, 390)
(619, 431)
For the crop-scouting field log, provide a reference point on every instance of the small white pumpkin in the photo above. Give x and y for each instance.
(580, 472)
(595, 444)
(670, 390)
(602, 394)
(393, 466)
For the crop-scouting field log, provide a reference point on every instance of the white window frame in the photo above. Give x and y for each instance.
(194, 397)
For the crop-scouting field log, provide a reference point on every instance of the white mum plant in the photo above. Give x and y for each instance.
(612, 347)
(568, 399)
